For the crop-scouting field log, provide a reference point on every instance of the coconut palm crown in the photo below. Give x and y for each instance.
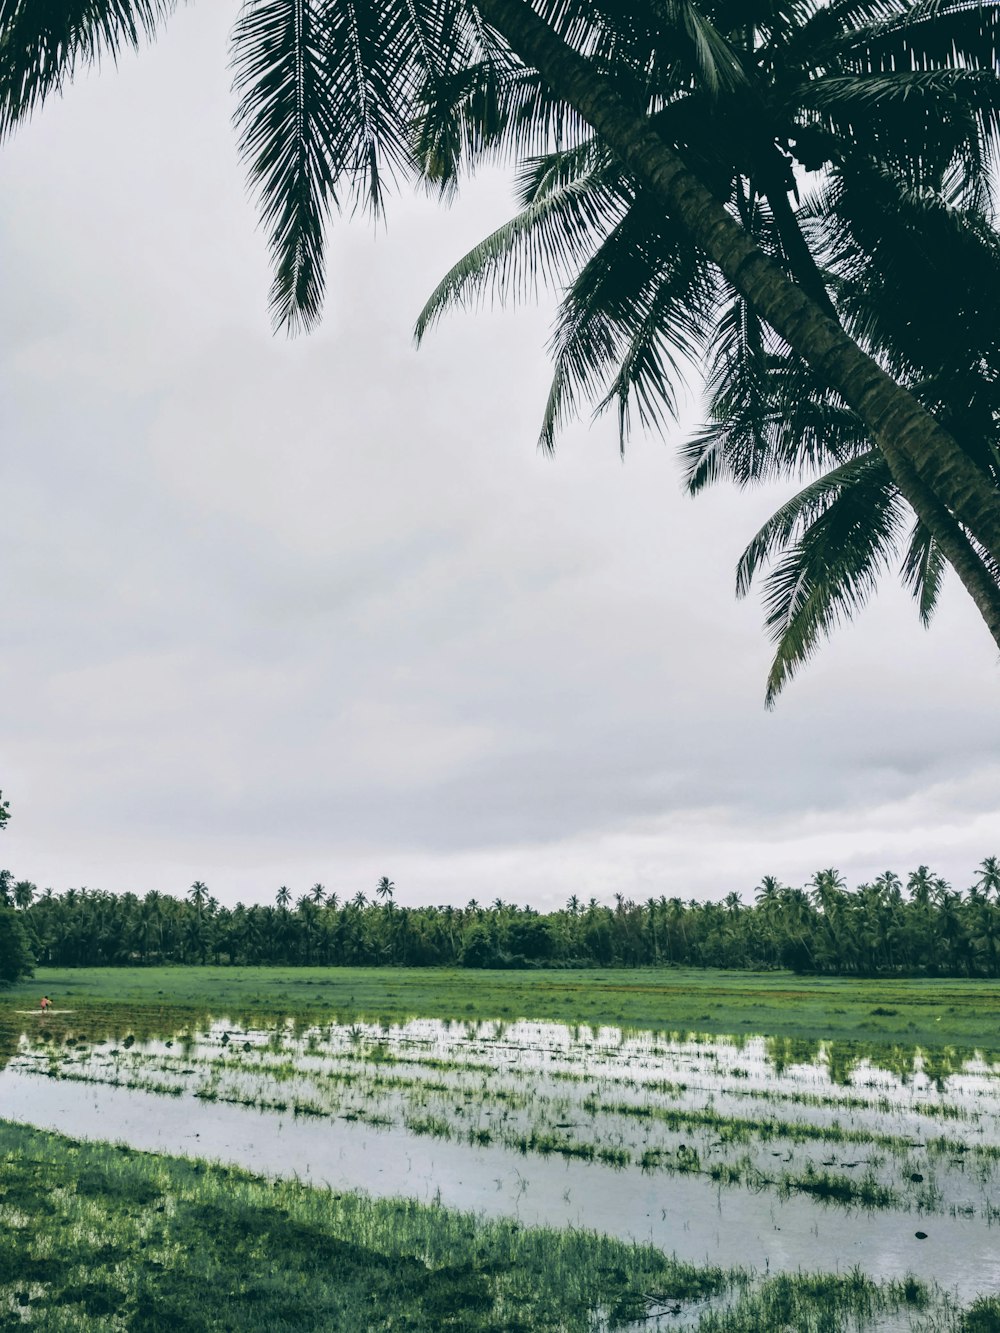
(855, 143)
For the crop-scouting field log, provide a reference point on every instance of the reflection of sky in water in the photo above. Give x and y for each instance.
(436, 1109)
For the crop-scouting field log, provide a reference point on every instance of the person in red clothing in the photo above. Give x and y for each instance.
(46, 1003)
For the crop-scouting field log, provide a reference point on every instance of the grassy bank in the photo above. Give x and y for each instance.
(929, 1012)
(101, 1237)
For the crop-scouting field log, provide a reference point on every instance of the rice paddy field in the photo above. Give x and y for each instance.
(267, 1149)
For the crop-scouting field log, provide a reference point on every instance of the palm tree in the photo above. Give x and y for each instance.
(198, 895)
(926, 462)
(24, 893)
(197, 934)
(644, 300)
(283, 897)
(385, 889)
(988, 879)
(329, 91)
(318, 893)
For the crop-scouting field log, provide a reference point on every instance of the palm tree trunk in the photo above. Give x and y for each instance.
(916, 447)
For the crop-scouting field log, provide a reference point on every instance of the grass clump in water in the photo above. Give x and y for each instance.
(866, 1192)
(983, 1316)
(817, 1303)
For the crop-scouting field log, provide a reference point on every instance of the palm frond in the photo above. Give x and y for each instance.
(923, 570)
(569, 203)
(286, 123)
(667, 330)
(735, 441)
(486, 111)
(788, 524)
(605, 346)
(769, 415)
(829, 573)
(43, 43)
(716, 64)
(374, 52)
(938, 335)
(921, 122)
(927, 35)
(327, 92)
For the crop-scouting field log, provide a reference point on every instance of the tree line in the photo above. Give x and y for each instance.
(920, 926)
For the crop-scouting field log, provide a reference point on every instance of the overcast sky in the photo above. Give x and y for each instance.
(278, 612)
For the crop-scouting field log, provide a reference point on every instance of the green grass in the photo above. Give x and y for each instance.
(881, 1013)
(99, 1237)
(983, 1316)
(825, 1303)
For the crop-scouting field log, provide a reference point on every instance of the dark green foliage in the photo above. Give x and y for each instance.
(16, 960)
(480, 949)
(532, 938)
(921, 928)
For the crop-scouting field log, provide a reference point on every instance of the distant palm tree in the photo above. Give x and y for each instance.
(196, 929)
(317, 893)
(24, 893)
(283, 897)
(385, 889)
(988, 879)
(198, 895)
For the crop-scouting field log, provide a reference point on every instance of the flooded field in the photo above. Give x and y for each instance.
(779, 1156)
